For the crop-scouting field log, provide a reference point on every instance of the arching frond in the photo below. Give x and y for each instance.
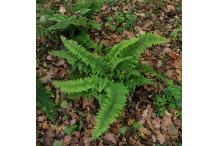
(110, 109)
(94, 61)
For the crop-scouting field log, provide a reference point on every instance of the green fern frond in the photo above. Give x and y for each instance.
(137, 81)
(76, 86)
(41, 31)
(72, 60)
(44, 102)
(62, 21)
(149, 40)
(84, 39)
(94, 61)
(84, 11)
(101, 99)
(144, 41)
(97, 4)
(65, 54)
(118, 48)
(94, 5)
(95, 25)
(118, 61)
(82, 21)
(82, 4)
(110, 109)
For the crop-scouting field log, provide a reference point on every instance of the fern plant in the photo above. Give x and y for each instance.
(171, 97)
(44, 102)
(109, 78)
(77, 17)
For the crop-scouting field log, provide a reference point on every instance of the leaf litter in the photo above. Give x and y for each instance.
(161, 17)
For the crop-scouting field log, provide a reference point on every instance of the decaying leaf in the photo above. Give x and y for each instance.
(67, 140)
(110, 137)
(161, 138)
(62, 10)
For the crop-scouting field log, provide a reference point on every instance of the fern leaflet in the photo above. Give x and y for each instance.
(75, 86)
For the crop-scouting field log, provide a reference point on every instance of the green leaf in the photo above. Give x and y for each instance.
(57, 143)
(69, 129)
(62, 22)
(64, 54)
(64, 104)
(136, 125)
(84, 11)
(44, 102)
(123, 130)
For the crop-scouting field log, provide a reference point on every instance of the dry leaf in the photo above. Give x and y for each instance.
(147, 24)
(166, 121)
(170, 7)
(87, 102)
(144, 114)
(159, 63)
(161, 138)
(62, 10)
(139, 30)
(172, 54)
(153, 137)
(67, 140)
(169, 73)
(100, 143)
(48, 77)
(73, 115)
(132, 140)
(45, 125)
(49, 136)
(139, 1)
(144, 132)
(173, 131)
(104, 8)
(98, 19)
(130, 121)
(128, 34)
(140, 14)
(156, 123)
(87, 141)
(106, 43)
(110, 137)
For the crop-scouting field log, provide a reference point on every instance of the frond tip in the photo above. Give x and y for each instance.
(92, 60)
(110, 109)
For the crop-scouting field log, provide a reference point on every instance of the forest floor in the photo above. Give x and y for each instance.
(139, 124)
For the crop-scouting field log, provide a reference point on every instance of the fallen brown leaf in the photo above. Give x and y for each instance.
(67, 140)
(160, 137)
(144, 132)
(98, 19)
(45, 125)
(87, 102)
(172, 54)
(166, 121)
(170, 7)
(106, 43)
(128, 34)
(110, 137)
(62, 10)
